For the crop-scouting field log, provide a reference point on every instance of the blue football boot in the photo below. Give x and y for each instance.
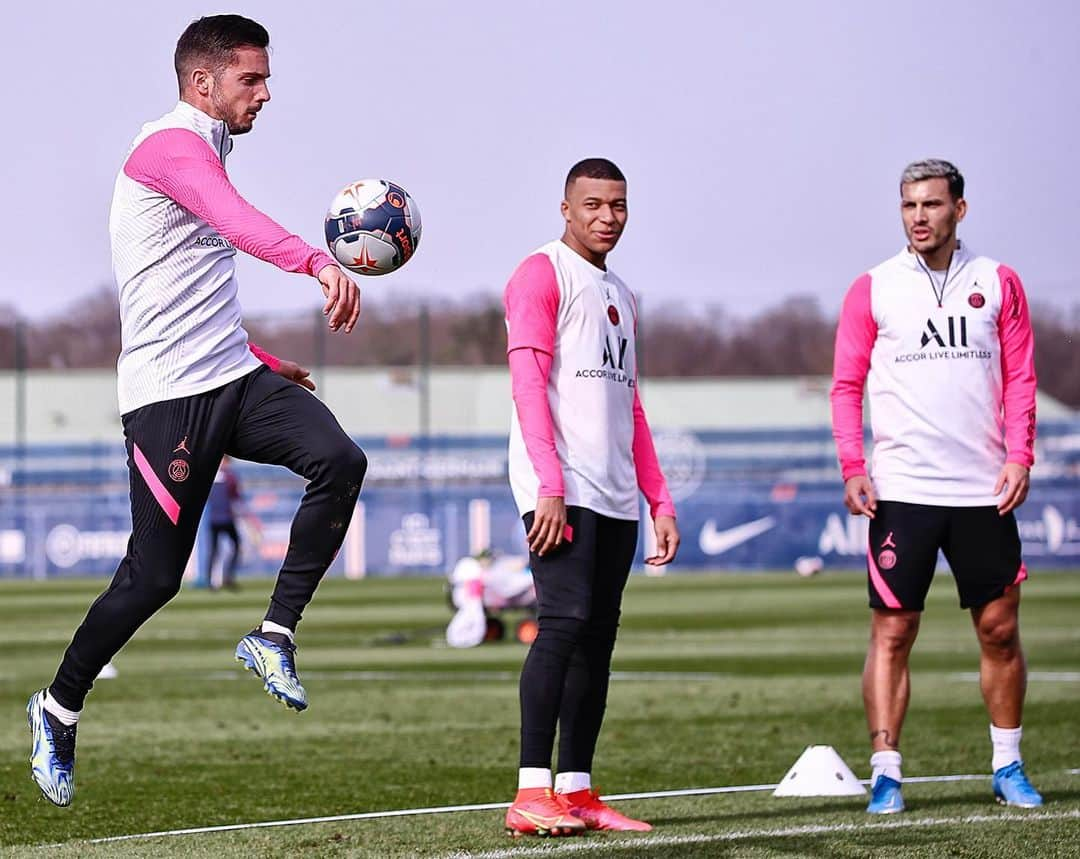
(270, 656)
(885, 796)
(1011, 787)
(52, 757)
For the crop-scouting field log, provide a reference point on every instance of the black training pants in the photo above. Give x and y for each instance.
(174, 449)
(564, 681)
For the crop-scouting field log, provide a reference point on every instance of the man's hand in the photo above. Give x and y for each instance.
(295, 373)
(342, 298)
(859, 496)
(549, 525)
(667, 541)
(1014, 480)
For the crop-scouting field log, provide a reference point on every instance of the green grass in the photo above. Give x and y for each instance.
(748, 671)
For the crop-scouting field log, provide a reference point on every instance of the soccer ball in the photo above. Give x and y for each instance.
(373, 227)
(809, 565)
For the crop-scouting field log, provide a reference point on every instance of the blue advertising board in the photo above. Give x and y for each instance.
(745, 501)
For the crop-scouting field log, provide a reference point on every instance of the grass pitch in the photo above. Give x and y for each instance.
(721, 680)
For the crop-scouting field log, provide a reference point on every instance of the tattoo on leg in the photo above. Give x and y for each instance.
(886, 736)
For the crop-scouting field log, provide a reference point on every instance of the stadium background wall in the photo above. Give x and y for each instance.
(747, 499)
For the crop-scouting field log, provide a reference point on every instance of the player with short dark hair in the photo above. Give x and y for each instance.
(581, 453)
(593, 168)
(192, 388)
(943, 341)
(211, 43)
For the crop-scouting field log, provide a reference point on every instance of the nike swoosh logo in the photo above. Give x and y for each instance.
(715, 542)
(540, 820)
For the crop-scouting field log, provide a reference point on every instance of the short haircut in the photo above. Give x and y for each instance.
(934, 168)
(212, 41)
(594, 168)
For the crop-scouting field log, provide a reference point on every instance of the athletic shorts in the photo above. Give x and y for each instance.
(981, 546)
(585, 576)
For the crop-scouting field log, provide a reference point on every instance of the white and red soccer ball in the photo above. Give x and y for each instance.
(372, 227)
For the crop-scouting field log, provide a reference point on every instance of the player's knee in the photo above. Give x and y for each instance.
(345, 467)
(602, 632)
(894, 633)
(160, 589)
(349, 462)
(565, 630)
(1000, 635)
(354, 463)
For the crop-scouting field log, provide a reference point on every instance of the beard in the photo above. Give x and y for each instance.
(241, 124)
(236, 119)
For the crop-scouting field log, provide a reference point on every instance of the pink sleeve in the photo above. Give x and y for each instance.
(855, 336)
(1017, 369)
(532, 309)
(649, 476)
(271, 361)
(182, 166)
(532, 305)
(529, 371)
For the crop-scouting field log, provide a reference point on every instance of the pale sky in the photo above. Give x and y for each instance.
(762, 141)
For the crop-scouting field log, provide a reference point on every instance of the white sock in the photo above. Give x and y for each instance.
(533, 777)
(270, 626)
(885, 763)
(1006, 742)
(68, 717)
(572, 782)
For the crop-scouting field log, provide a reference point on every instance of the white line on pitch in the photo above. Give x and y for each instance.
(1047, 676)
(487, 806)
(267, 824)
(747, 788)
(607, 845)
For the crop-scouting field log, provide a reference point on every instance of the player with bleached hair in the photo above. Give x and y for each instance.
(942, 339)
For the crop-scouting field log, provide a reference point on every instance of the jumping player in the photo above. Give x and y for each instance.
(942, 338)
(191, 387)
(580, 453)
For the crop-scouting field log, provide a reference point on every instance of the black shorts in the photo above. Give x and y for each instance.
(981, 546)
(585, 576)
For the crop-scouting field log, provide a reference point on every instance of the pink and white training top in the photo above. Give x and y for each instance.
(176, 221)
(951, 381)
(578, 429)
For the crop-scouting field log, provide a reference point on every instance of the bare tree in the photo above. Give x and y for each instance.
(1057, 352)
(792, 338)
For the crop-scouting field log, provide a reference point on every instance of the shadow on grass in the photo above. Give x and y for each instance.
(951, 805)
